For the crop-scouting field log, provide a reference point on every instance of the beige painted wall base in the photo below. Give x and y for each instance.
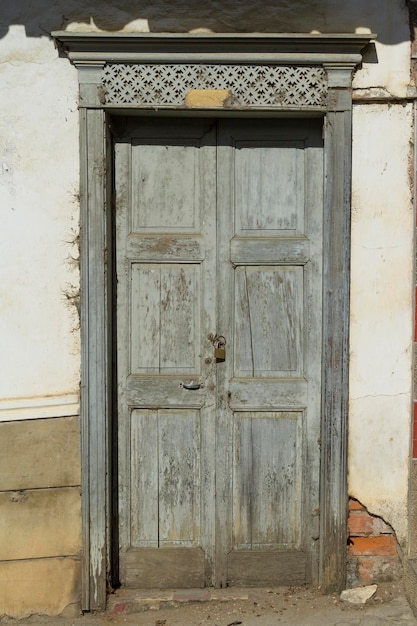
(41, 586)
(40, 453)
(40, 533)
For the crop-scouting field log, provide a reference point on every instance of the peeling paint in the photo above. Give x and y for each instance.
(39, 200)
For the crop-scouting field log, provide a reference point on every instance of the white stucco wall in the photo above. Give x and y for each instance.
(381, 311)
(39, 181)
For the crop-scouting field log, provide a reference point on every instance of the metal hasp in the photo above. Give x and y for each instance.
(192, 385)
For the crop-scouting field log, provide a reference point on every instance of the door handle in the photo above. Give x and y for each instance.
(192, 385)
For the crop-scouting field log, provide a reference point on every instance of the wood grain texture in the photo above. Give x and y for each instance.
(218, 480)
(268, 321)
(165, 476)
(336, 345)
(267, 480)
(270, 311)
(164, 318)
(94, 358)
(281, 250)
(344, 53)
(165, 197)
(166, 311)
(166, 568)
(251, 569)
(269, 191)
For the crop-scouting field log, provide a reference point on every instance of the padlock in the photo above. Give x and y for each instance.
(220, 353)
(220, 348)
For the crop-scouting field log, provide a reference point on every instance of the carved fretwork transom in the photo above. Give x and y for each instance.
(250, 85)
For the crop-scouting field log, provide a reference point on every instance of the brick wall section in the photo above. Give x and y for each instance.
(372, 548)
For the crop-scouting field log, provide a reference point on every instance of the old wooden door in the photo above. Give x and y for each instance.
(219, 232)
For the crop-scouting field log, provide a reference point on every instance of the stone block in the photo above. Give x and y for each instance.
(207, 97)
(40, 453)
(378, 568)
(40, 586)
(40, 523)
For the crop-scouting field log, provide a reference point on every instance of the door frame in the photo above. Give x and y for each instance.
(323, 65)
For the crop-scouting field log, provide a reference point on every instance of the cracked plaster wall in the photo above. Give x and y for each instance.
(381, 311)
(39, 183)
(39, 173)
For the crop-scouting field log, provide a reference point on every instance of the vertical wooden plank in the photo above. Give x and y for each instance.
(179, 477)
(180, 313)
(95, 346)
(144, 487)
(276, 483)
(122, 337)
(225, 314)
(312, 367)
(208, 312)
(335, 344)
(243, 344)
(145, 321)
(242, 481)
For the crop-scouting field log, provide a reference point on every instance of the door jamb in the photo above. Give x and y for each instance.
(338, 55)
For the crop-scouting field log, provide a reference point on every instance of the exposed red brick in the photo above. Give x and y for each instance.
(355, 505)
(384, 545)
(360, 523)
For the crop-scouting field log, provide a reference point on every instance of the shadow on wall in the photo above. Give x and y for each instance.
(387, 18)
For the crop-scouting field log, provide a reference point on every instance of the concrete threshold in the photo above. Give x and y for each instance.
(133, 601)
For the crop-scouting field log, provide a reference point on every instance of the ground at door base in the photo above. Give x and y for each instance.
(301, 606)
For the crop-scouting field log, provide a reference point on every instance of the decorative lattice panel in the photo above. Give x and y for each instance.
(250, 85)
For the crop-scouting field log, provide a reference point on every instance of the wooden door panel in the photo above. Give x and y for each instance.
(268, 298)
(219, 230)
(267, 480)
(251, 568)
(166, 303)
(164, 319)
(270, 213)
(262, 202)
(166, 568)
(174, 204)
(165, 477)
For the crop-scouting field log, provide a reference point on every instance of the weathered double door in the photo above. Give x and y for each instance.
(219, 232)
